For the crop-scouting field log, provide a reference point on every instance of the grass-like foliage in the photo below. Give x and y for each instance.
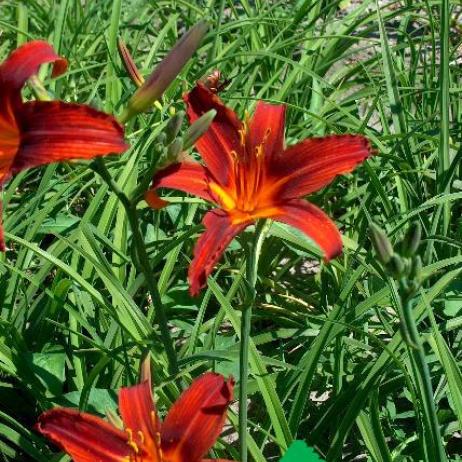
(330, 360)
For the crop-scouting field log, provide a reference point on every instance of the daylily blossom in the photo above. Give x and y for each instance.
(250, 174)
(41, 132)
(188, 432)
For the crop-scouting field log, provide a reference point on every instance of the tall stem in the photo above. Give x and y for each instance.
(246, 322)
(424, 387)
(144, 265)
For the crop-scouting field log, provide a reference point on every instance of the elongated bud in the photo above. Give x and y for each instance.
(381, 243)
(416, 268)
(396, 265)
(198, 128)
(174, 150)
(165, 73)
(145, 368)
(129, 64)
(162, 138)
(411, 240)
(173, 127)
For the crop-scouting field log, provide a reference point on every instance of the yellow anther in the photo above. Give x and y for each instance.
(259, 150)
(242, 133)
(141, 437)
(267, 134)
(222, 196)
(131, 442)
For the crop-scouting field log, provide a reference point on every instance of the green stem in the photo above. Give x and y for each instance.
(143, 260)
(424, 387)
(251, 279)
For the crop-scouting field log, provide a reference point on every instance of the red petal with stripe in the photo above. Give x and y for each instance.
(312, 221)
(312, 164)
(84, 437)
(196, 420)
(14, 71)
(190, 177)
(137, 410)
(219, 232)
(56, 131)
(216, 146)
(266, 129)
(22, 64)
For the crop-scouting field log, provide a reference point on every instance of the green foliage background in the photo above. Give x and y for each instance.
(328, 363)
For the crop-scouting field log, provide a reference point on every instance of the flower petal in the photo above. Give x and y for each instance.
(266, 129)
(138, 413)
(312, 164)
(219, 232)
(57, 131)
(196, 419)
(14, 71)
(25, 62)
(84, 437)
(190, 177)
(314, 223)
(216, 146)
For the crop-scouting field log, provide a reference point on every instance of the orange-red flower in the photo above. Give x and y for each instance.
(250, 174)
(41, 132)
(189, 431)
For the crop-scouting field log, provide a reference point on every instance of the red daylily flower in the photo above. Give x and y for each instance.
(250, 174)
(42, 132)
(189, 431)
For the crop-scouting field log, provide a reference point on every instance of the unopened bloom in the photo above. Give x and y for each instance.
(167, 70)
(188, 432)
(250, 174)
(41, 132)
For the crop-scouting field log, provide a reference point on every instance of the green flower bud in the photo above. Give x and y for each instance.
(416, 269)
(198, 128)
(411, 241)
(166, 72)
(129, 64)
(396, 265)
(381, 243)
(174, 150)
(162, 139)
(173, 127)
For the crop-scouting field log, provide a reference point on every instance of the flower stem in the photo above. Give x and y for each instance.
(435, 448)
(251, 279)
(143, 262)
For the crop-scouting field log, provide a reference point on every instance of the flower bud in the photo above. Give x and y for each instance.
(396, 265)
(173, 127)
(411, 241)
(174, 150)
(145, 369)
(165, 73)
(198, 128)
(416, 268)
(129, 64)
(381, 243)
